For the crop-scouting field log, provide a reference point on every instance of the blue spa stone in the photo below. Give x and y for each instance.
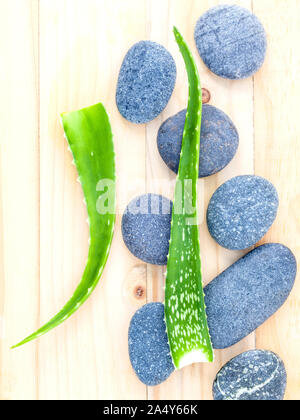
(256, 375)
(238, 301)
(219, 141)
(149, 349)
(146, 228)
(249, 292)
(231, 41)
(146, 82)
(242, 211)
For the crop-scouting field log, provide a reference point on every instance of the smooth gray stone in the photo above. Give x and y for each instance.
(231, 41)
(146, 82)
(149, 349)
(146, 228)
(249, 292)
(218, 145)
(242, 211)
(256, 375)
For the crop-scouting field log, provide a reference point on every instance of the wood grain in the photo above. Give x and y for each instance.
(66, 54)
(19, 195)
(277, 157)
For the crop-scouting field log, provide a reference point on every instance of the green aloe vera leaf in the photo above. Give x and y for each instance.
(90, 139)
(185, 313)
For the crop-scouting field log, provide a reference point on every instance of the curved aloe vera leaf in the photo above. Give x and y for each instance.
(185, 314)
(89, 135)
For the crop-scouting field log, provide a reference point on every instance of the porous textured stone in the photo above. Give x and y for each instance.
(146, 228)
(218, 146)
(231, 41)
(249, 292)
(256, 375)
(149, 349)
(146, 82)
(242, 211)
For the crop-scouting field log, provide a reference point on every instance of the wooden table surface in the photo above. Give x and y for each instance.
(60, 55)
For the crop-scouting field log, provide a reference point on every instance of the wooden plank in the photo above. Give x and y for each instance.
(19, 196)
(234, 98)
(277, 91)
(82, 46)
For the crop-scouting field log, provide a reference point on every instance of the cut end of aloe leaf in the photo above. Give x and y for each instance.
(195, 356)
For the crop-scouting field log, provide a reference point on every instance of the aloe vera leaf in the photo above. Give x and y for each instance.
(185, 314)
(90, 138)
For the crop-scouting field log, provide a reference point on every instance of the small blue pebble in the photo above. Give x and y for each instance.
(256, 375)
(146, 82)
(146, 228)
(248, 293)
(242, 211)
(231, 41)
(149, 349)
(218, 146)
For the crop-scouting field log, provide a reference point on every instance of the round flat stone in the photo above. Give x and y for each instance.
(256, 375)
(242, 211)
(218, 146)
(146, 82)
(249, 292)
(231, 41)
(146, 228)
(149, 350)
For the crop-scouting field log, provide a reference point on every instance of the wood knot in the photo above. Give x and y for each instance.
(206, 96)
(134, 286)
(139, 292)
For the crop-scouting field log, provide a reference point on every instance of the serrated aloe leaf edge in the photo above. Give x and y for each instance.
(90, 139)
(185, 314)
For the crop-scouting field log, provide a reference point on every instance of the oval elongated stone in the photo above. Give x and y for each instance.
(256, 375)
(242, 211)
(146, 82)
(146, 228)
(231, 41)
(218, 146)
(249, 292)
(149, 349)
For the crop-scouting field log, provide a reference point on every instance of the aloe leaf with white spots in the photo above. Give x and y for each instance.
(90, 139)
(185, 314)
